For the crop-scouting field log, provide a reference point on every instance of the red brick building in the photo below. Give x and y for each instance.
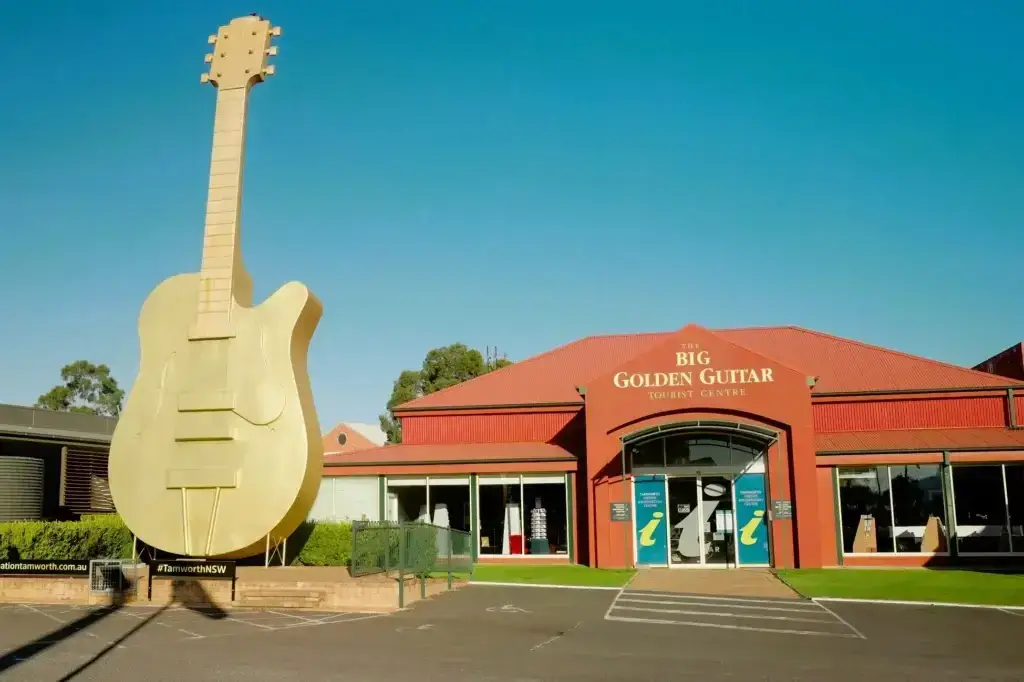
(697, 448)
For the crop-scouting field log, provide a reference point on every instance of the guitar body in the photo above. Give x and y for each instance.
(218, 445)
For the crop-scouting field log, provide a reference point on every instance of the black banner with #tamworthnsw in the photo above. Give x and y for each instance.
(198, 570)
(26, 567)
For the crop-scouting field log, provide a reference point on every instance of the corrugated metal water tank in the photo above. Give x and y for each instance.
(21, 488)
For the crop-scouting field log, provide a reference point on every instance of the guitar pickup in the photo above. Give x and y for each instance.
(206, 401)
(207, 477)
(205, 426)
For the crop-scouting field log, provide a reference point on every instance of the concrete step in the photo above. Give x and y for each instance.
(281, 598)
(280, 603)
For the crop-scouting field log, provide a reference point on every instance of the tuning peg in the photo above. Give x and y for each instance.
(276, 31)
(272, 50)
(268, 70)
(208, 58)
(204, 78)
(212, 40)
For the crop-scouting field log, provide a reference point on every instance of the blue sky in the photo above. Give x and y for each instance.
(522, 174)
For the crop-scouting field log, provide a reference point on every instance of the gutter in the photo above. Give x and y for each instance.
(54, 436)
(413, 462)
(462, 408)
(915, 451)
(914, 391)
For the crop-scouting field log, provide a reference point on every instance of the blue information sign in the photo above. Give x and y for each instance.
(751, 520)
(651, 521)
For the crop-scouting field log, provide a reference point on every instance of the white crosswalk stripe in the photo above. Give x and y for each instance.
(784, 616)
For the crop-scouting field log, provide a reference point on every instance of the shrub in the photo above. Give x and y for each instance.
(321, 543)
(100, 536)
(375, 548)
(421, 549)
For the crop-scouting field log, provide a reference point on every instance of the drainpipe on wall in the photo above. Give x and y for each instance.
(1011, 409)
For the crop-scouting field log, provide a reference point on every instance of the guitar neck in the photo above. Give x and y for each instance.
(222, 274)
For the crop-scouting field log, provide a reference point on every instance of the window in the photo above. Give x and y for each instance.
(347, 498)
(442, 501)
(649, 454)
(981, 495)
(865, 509)
(918, 508)
(1015, 503)
(523, 515)
(707, 451)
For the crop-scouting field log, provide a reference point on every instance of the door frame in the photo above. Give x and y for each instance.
(698, 479)
(732, 561)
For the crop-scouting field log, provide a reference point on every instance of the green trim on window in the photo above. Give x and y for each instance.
(570, 517)
(838, 514)
(946, 476)
(474, 529)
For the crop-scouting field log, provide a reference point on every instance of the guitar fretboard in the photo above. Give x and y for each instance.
(222, 268)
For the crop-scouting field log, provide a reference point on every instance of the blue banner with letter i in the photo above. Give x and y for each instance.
(751, 520)
(651, 520)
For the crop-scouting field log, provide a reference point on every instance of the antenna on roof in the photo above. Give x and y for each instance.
(492, 357)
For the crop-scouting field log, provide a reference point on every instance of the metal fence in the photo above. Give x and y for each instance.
(410, 549)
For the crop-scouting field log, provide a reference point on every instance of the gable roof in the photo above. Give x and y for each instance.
(357, 437)
(841, 366)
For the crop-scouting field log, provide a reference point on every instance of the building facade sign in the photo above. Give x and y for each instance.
(694, 374)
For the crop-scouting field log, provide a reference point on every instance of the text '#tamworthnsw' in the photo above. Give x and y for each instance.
(192, 569)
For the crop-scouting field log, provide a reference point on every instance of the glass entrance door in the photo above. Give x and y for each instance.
(719, 529)
(701, 521)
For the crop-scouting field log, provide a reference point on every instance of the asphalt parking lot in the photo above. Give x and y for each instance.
(510, 634)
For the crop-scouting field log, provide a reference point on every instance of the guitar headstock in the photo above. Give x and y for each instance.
(241, 52)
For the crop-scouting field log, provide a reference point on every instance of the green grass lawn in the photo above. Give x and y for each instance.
(571, 575)
(952, 586)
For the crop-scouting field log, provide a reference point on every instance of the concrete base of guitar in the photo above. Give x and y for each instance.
(283, 587)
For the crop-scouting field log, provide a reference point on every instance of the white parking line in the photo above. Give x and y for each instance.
(796, 617)
(686, 612)
(719, 605)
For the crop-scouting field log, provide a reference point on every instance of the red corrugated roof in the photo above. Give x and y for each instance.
(462, 453)
(931, 440)
(841, 365)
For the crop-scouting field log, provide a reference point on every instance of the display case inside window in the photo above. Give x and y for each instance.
(523, 515)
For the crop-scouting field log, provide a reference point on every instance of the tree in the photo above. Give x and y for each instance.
(87, 388)
(442, 368)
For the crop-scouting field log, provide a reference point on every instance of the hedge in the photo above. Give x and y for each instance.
(94, 537)
(314, 543)
(105, 536)
(321, 543)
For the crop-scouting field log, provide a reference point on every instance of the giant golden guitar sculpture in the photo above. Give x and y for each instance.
(217, 451)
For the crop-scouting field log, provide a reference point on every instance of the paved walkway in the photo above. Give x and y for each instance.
(737, 582)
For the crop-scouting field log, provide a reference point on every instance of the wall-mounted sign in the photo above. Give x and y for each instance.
(25, 567)
(782, 510)
(752, 540)
(651, 524)
(198, 570)
(621, 511)
(695, 374)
